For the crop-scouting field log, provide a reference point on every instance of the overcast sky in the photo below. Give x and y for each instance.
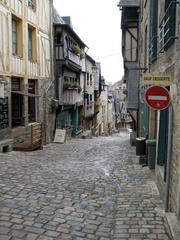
(97, 23)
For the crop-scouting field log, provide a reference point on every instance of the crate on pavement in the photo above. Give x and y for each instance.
(35, 141)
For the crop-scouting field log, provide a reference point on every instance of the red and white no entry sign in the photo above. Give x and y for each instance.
(157, 97)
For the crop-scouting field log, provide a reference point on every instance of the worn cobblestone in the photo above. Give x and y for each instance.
(91, 189)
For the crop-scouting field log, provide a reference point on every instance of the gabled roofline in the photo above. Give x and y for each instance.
(68, 28)
(90, 59)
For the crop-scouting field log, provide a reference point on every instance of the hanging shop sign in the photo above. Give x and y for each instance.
(156, 79)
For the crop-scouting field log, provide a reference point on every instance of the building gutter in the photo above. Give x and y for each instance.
(169, 156)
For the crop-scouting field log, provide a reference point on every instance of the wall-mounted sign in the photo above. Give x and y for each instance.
(155, 79)
(157, 97)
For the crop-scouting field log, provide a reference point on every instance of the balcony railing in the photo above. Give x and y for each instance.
(153, 49)
(73, 57)
(167, 27)
(71, 97)
(59, 52)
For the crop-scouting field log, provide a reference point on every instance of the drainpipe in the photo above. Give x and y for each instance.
(169, 155)
(139, 73)
(51, 67)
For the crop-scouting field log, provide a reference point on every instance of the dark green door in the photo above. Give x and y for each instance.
(163, 140)
(144, 114)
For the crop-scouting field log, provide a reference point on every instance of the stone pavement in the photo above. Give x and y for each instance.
(91, 189)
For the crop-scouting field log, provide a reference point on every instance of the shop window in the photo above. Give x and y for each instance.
(32, 100)
(16, 102)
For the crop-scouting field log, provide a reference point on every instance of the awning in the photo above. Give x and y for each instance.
(26, 93)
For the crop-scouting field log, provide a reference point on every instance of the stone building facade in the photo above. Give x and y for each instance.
(131, 58)
(160, 53)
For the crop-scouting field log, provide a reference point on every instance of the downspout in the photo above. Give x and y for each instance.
(139, 72)
(169, 155)
(51, 67)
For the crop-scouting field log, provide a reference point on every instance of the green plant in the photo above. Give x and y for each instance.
(77, 50)
(82, 55)
(79, 88)
(72, 85)
(67, 85)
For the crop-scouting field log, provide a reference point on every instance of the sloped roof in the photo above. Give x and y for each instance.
(57, 18)
(90, 59)
(67, 20)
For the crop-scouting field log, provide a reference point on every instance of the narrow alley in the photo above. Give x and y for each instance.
(85, 189)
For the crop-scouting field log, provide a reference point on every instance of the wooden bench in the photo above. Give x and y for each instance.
(35, 141)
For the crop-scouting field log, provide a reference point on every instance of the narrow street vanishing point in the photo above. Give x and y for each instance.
(92, 189)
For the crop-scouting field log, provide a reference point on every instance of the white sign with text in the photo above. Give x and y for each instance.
(60, 136)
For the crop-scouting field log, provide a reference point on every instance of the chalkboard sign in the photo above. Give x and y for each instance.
(4, 117)
(60, 136)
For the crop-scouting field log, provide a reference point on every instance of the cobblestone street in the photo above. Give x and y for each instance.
(91, 189)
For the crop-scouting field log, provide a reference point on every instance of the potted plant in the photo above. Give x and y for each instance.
(71, 85)
(77, 50)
